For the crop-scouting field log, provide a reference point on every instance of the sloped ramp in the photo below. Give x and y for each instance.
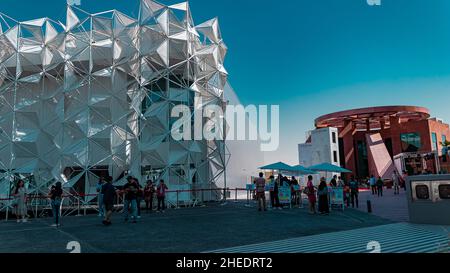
(394, 238)
(381, 163)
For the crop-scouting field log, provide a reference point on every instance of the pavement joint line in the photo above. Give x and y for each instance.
(356, 236)
(72, 228)
(169, 217)
(82, 243)
(93, 224)
(24, 230)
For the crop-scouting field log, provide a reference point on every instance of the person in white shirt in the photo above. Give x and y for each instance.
(396, 183)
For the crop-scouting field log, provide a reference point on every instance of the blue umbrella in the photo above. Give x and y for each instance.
(280, 166)
(328, 167)
(300, 170)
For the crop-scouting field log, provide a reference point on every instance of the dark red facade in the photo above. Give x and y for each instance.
(402, 128)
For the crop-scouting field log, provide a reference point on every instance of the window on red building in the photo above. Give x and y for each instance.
(435, 141)
(411, 142)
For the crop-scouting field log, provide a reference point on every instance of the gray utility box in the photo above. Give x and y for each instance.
(429, 199)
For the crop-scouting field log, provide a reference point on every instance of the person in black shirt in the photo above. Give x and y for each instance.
(161, 195)
(139, 197)
(130, 202)
(55, 196)
(380, 185)
(109, 193)
(276, 191)
(149, 192)
(294, 183)
(333, 182)
(354, 192)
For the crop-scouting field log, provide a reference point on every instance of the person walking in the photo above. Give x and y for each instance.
(100, 183)
(260, 184)
(109, 192)
(139, 197)
(130, 201)
(373, 184)
(277, 193)
(347, 194)
(322, 193)
(272, 186)
(20, 195)
(380, 186)
(354, 192)
(55, 196)
(161, 195)
(149, 192)
(396, 183)
(310, 191)
(294, 193)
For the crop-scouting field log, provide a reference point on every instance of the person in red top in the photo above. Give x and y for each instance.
(161, 195)
(310, 191)
(260, 183)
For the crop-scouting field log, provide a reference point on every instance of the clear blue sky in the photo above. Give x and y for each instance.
(313, 57)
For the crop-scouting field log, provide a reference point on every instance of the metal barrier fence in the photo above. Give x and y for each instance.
(76, 204)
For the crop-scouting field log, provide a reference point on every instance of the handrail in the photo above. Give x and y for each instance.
(77, 204)
(31, 196)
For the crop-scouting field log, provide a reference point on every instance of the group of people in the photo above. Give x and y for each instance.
(318, 197)
(133, 194)
(20, 200)
(321, 193)
(274, 189)
(398, 182)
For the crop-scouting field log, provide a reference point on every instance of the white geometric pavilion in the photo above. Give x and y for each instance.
(93, 97)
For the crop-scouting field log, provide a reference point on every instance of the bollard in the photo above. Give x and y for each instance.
(369, 206)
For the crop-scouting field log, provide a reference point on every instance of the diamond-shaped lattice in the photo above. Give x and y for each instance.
(93, 97)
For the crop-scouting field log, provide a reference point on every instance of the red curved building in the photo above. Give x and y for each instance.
(370, 138)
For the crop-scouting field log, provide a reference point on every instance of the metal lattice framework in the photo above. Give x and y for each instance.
(93, 96)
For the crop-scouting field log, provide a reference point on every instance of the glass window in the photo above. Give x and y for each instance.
(410, 142)
(444, 191)
(335, 156)
(444, 138)
(422, 192)
(435, 142)
(334, 137)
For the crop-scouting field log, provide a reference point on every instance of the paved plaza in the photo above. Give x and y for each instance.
(398, 237)
(234, 227)
(392, 238)
(390, 206)
(178, 231)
